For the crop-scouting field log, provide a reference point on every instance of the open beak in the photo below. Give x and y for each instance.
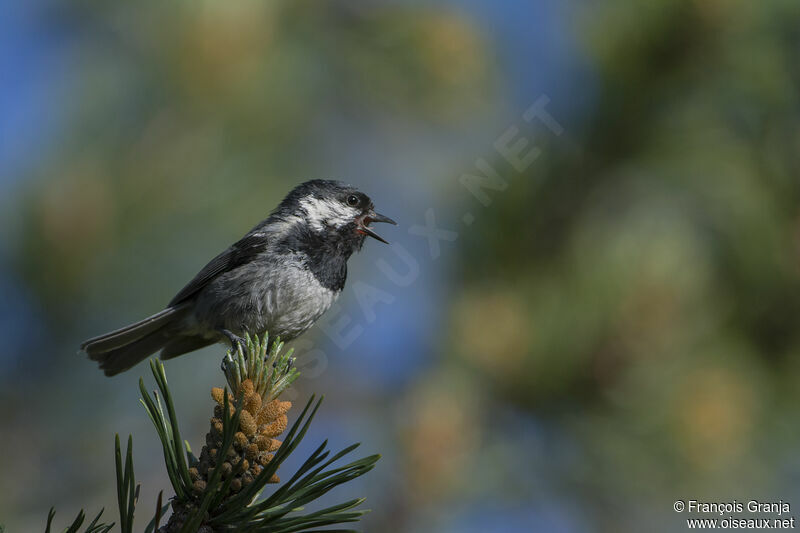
(364, 228)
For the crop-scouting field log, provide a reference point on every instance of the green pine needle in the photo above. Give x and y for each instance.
(93, 527)
(271, 371)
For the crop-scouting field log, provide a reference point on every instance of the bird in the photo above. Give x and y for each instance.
(280, 278)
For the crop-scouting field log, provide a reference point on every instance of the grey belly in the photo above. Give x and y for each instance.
(286, 303)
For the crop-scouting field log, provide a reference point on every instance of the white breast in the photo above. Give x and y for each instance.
(297, 302)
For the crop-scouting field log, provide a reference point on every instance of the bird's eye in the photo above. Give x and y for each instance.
(352, 200)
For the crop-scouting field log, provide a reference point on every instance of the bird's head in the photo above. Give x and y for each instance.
(334, 210)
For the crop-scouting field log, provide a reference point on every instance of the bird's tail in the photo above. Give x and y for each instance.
(120, 350)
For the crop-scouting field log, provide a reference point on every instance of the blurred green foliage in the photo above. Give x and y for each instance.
(641, 282)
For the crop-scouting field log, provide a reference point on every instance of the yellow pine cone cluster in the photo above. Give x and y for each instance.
(253, 445)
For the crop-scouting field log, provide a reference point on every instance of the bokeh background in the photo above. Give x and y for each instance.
(618, 329)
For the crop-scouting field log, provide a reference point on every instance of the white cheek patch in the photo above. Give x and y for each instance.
(323, 213)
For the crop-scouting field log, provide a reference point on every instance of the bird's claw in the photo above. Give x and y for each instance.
(237, 343)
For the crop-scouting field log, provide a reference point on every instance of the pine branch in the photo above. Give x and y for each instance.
(242, 456)
(220, 489)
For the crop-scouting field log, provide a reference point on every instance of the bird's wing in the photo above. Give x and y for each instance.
(238, 254)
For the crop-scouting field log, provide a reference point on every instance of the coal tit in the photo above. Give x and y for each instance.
(280, 278)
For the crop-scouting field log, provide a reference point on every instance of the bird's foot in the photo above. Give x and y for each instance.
(236, 341)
